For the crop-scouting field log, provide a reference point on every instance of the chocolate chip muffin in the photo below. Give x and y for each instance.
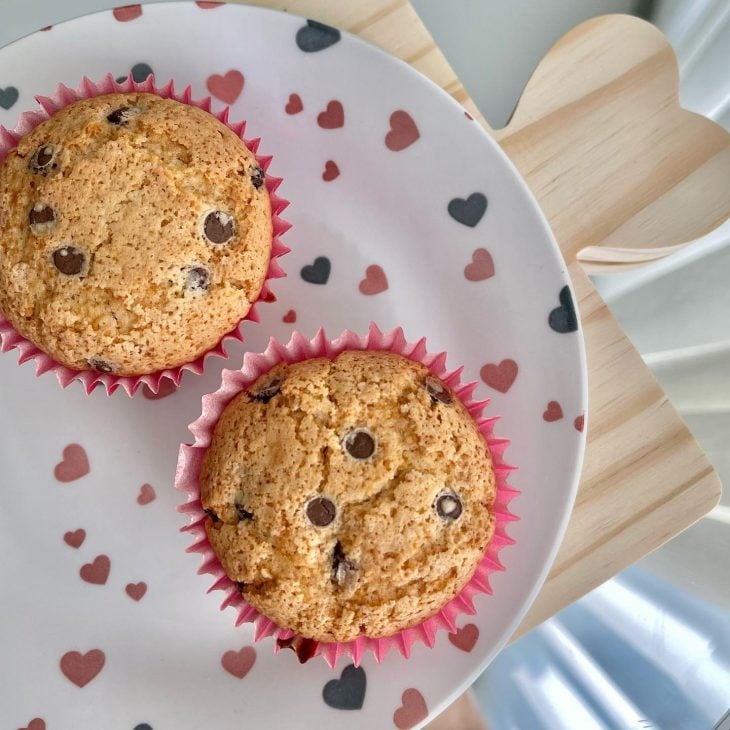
(348, 497)
(135, 232)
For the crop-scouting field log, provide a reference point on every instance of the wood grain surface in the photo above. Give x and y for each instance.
(624, 175)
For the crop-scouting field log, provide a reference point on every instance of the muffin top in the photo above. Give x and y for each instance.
(349, 496)
(135, 232)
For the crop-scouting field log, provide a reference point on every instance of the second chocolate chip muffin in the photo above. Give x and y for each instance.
(348, 497)
(135, 232)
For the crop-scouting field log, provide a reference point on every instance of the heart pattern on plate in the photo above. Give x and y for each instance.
(333, 117)
(294, 105)
(82, 668)
(579, 423)
(239, 663)
(125, 13)
(136, 591)
(74, 465)
(465, 638)
(37, 723)
(468, 211)
(167, 387)
(553, 412)
(375, 281)
(226, 87)
(290, 317)
(347, 692)
(413, 710)
(75, 538)
(96, 572)
(8, 97)
(403, 131)
(331, 171)
(317, 272)
(316, 36)
(500, 376)
(146, 495)
(481, 266)
(563, 318)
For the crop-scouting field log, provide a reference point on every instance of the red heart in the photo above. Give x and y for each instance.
(167, 387)
(294, 105)
(127, 12)
(239, 663)
(412, 710)
(465, 637)
(74, 465)
(289, 317)
(146, 494)
(553, 412)
(75, 539)
(579, 423)
(35, 724)
(375, 281)
(500, 377)
(481, 266)
(332, 117)
(96, 572)
(136, 591)
(82, 668)
(207, 5)
(403, 131)
(227, 87)
(331, 171)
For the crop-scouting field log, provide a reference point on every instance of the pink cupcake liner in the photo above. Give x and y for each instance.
(11, 339)
(299, 348)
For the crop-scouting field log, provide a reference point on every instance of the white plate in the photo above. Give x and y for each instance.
(163, 653)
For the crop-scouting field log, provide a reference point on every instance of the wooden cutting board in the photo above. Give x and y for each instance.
(624, 175)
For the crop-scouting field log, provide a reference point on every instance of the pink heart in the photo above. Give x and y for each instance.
(136, 591)
(481, 266)
(239, 663)
(167, 387)
(375, 281)
(96, 572)
(146, 494)
(331, 171)
(500, 376)
(127, 12)
(412, 710)
(579, 423)
(289, 317)
(403, 131)
(82, 668)
(332, 117)
(553, 412)
(74, 465)
(35, 724)
(465, 637)
(294, 105)
(228, 87)
(75, 539)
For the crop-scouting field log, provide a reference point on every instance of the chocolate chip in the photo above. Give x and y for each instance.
(448, 506)
(321, 511)
(438, 391)
(242, 512)
(265, 394)
(69, 260)
(213, 516)
(359, 444)
(257, 177)
(197, 279)
(41, 217)
(122, 115)
(342, 568)
(101, 366)
(43, 159)
(305, 649)
(218, 227)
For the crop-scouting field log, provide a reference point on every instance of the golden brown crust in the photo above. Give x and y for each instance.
(398, 561)
(132, 198)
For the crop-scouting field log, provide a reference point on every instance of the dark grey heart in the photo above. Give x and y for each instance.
(318, 272)
(8, 97)
(316, 36)
(469, 211)
(562, 319)
(140, 72)
(347, 692)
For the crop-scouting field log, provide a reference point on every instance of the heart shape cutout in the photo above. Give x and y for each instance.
(333, 117)
(481, 266)
(36, 723)
(468, 211)
(375, 281)
(97, 571)
(227, 87)
(146, 494)
(73, 466)
(125, 13)
(82, 668)
(290, 317)
(75, 538)
(317, 272)
(294, 105)
(331, 171)
(563, 319)
(8, 97)
(136, 591)
(239, 663)
(403, 131)
(500, 376)
(413, 710)
(347, 692)
(553, 412)
(465, 638)
(167, 387)
(316, 36)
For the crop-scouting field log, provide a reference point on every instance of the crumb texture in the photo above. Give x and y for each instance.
(348, 496)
